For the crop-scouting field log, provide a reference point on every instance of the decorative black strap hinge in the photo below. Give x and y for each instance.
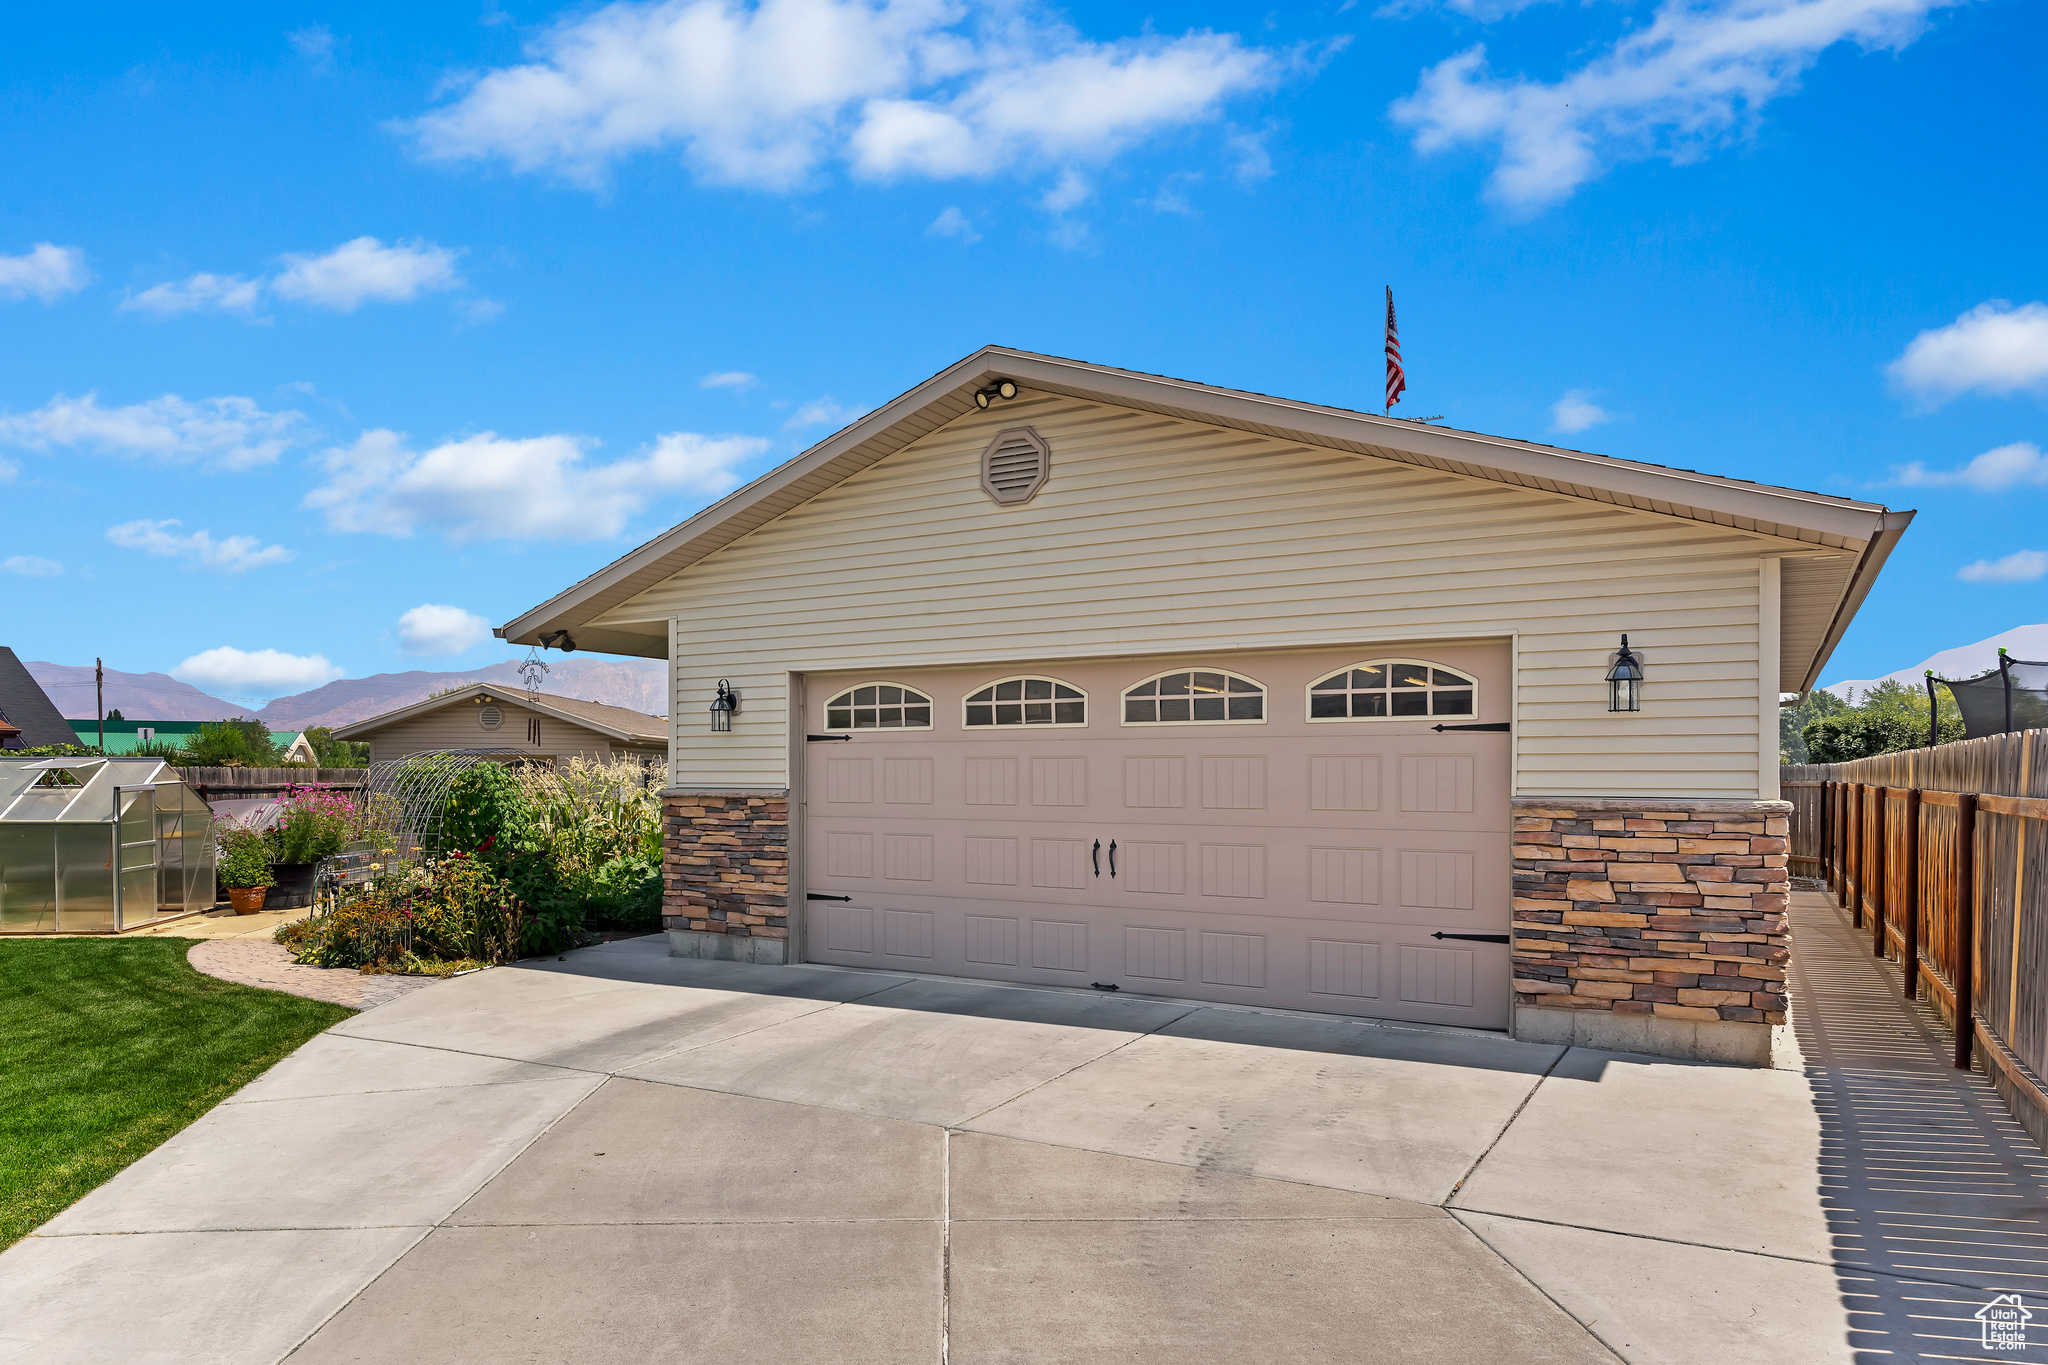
(824, 896)
(1475, 938)
(1500, 726)
(815, 738)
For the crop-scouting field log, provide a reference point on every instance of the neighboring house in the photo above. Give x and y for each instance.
(487, 716)
(126, 736)
(1128, 681)
(28, 719)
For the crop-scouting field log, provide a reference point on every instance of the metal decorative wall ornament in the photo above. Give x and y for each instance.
(533, 670)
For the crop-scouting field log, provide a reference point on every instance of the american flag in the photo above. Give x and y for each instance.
(1397, 379)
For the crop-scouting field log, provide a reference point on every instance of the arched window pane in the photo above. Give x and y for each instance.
(1026, 701)
(879, 706)
(1197, 696)
(1392, 688)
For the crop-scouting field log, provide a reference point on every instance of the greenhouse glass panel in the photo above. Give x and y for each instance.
(73, 832)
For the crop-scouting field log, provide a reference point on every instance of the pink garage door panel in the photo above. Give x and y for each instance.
(1269, 857)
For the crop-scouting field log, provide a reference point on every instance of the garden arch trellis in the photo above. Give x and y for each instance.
(404, 800)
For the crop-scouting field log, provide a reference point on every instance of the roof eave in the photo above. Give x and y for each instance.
(1890, 527)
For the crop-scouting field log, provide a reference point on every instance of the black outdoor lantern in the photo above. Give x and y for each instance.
(724, 706)
(1625, 681)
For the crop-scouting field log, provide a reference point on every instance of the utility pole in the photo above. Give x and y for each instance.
(99, 698)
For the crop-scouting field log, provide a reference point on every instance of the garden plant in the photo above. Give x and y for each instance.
(511, 861)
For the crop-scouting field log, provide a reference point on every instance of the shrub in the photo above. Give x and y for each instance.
(454, 914)
(316, 822)
(244, 859)
(484, 805)
(232, 744)
(1888, 718)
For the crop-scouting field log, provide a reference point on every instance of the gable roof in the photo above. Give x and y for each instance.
(1821, 594)
(617, 722)
(24, 704)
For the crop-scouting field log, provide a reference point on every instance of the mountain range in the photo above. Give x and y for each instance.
(1964, 661)
(637, 684)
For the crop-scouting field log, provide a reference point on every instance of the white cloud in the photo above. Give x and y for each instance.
(487, 487)
(1994, 471)
(201, 292)
(315, 43)
(366, 270)
(729, 379)
(1172, 196)
(1485, 11)
(822, 411)
(236, 554)
(764, 94)
(481, 310)
(1071, 192)
(262, 672)
(227, 432)
(439, 631)
(951, 222)
(1994, 348)
(2021, 566)
(1697, 73)
(31, 566)
(45, 271)
(1575, 412)
(1250, 161)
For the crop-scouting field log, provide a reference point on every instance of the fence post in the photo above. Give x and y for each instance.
(1859, 860)
(1881, 899)
(1909, 950)
(1966, 925)
(1827, 833)
(1842, 837)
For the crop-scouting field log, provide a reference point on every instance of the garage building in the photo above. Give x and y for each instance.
(1053, 673)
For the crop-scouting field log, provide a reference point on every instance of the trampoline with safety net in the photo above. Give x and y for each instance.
(2013, 696)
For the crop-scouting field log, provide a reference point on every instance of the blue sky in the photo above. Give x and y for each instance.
(332, 333)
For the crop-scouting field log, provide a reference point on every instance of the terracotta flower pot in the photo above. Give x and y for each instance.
(247, 900)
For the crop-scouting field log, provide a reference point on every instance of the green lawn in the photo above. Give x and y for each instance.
(109, 1046)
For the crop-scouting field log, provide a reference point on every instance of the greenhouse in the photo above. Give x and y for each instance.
(97, 845)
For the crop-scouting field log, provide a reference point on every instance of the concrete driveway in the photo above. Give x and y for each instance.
(628, 1157)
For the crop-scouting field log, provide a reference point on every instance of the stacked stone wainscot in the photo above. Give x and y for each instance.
(725, 875)
(1652, 926)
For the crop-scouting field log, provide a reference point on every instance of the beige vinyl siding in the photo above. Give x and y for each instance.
(454, 726)
(1155, 535)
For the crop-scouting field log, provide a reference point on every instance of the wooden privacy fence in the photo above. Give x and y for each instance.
(212, 782)
(1942, 853)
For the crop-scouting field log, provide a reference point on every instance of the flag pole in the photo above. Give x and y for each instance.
(99, 699)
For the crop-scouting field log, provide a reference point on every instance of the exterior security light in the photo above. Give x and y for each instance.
(1625, 681)
(1004, 389)
(723, 707)
(558, 639)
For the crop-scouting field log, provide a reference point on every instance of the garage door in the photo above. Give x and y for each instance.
(1285, 829)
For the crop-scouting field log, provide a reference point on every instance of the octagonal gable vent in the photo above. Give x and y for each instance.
(490, 718)
(1015, 465)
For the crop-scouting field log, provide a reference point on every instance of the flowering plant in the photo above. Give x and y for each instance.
(317, 821)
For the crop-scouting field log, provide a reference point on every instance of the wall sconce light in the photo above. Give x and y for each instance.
(724, 707)
(558, 639)
(1004, 389)
(1625, 681)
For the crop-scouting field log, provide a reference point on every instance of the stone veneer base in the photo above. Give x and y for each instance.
(709, 947)
(725, 870)
(1651, 925)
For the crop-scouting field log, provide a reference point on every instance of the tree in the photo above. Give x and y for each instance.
(1889, 717)
(1793, 720)
(232, 744)
(329, 752)
(115, 714)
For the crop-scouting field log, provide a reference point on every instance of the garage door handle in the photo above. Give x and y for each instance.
(1112, 858)
(1475, 938)
(1095, 857)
